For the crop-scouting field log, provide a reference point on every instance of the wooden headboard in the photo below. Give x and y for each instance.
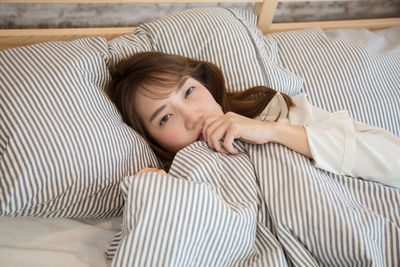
(265, 9)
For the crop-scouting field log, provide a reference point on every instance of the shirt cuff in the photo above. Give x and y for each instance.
(332, 143)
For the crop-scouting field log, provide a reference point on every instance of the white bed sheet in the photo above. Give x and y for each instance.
(29, 241)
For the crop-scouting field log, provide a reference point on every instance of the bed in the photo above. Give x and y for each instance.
(68, 193)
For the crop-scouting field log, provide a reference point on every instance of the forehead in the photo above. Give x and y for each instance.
(147, 103)
(160, 86)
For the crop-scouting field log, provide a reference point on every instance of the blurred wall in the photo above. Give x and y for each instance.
(98, 15)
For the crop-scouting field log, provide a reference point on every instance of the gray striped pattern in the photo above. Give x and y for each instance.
(63, 146)
(356, 70)
(326, 219)
(304, 216)
(267, 206)
(226, 37)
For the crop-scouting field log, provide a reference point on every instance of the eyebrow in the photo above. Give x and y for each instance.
(178, 88)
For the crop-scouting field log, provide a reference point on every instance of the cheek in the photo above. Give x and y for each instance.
(170, 140)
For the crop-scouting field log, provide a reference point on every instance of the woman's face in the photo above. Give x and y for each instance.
(177, 120)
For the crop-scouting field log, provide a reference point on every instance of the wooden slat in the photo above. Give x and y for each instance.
(20, 37)
(317, 0)
(371, 24)
(265, 12)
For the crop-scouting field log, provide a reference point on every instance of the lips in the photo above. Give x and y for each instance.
(200, 138)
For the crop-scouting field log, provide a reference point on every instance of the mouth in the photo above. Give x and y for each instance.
(200, 138)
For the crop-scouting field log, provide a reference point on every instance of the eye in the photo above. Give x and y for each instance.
(164, 119)
(189, 91)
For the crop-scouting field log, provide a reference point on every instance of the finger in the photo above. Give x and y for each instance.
(161, 172)
(223, 150)
(227, 133)
(208, 127)
(147, 169)
(219, 147)
(228, 142)
(216, 138)
(216, 132)
(223, 121)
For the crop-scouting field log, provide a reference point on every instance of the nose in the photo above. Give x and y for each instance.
(192, 116)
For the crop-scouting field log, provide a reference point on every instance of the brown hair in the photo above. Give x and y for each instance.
(146, 69)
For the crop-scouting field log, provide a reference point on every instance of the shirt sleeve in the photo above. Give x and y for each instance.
(344, 146)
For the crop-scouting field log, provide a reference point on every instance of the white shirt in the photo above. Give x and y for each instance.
(339, 144)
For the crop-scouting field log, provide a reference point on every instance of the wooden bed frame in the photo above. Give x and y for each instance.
(265, 10)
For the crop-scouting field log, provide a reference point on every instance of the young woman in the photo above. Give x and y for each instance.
(173, 101)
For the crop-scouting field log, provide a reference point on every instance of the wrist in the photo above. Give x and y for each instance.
(291, 136)
(275, 132)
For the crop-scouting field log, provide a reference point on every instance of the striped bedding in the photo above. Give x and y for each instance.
(355, 70)
(267, 206)
(63, 146)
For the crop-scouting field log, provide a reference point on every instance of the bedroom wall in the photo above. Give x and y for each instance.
(97, 15)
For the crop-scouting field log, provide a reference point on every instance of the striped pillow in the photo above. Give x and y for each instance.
(63, 146)
(226, 37)
(356, 70)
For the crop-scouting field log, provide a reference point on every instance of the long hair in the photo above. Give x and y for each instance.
(148, 70)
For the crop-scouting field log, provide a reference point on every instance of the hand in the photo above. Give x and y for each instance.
(220, 132)
(149, 169)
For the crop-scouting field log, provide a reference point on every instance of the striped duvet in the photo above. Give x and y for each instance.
(257, 208)
(269, 206)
